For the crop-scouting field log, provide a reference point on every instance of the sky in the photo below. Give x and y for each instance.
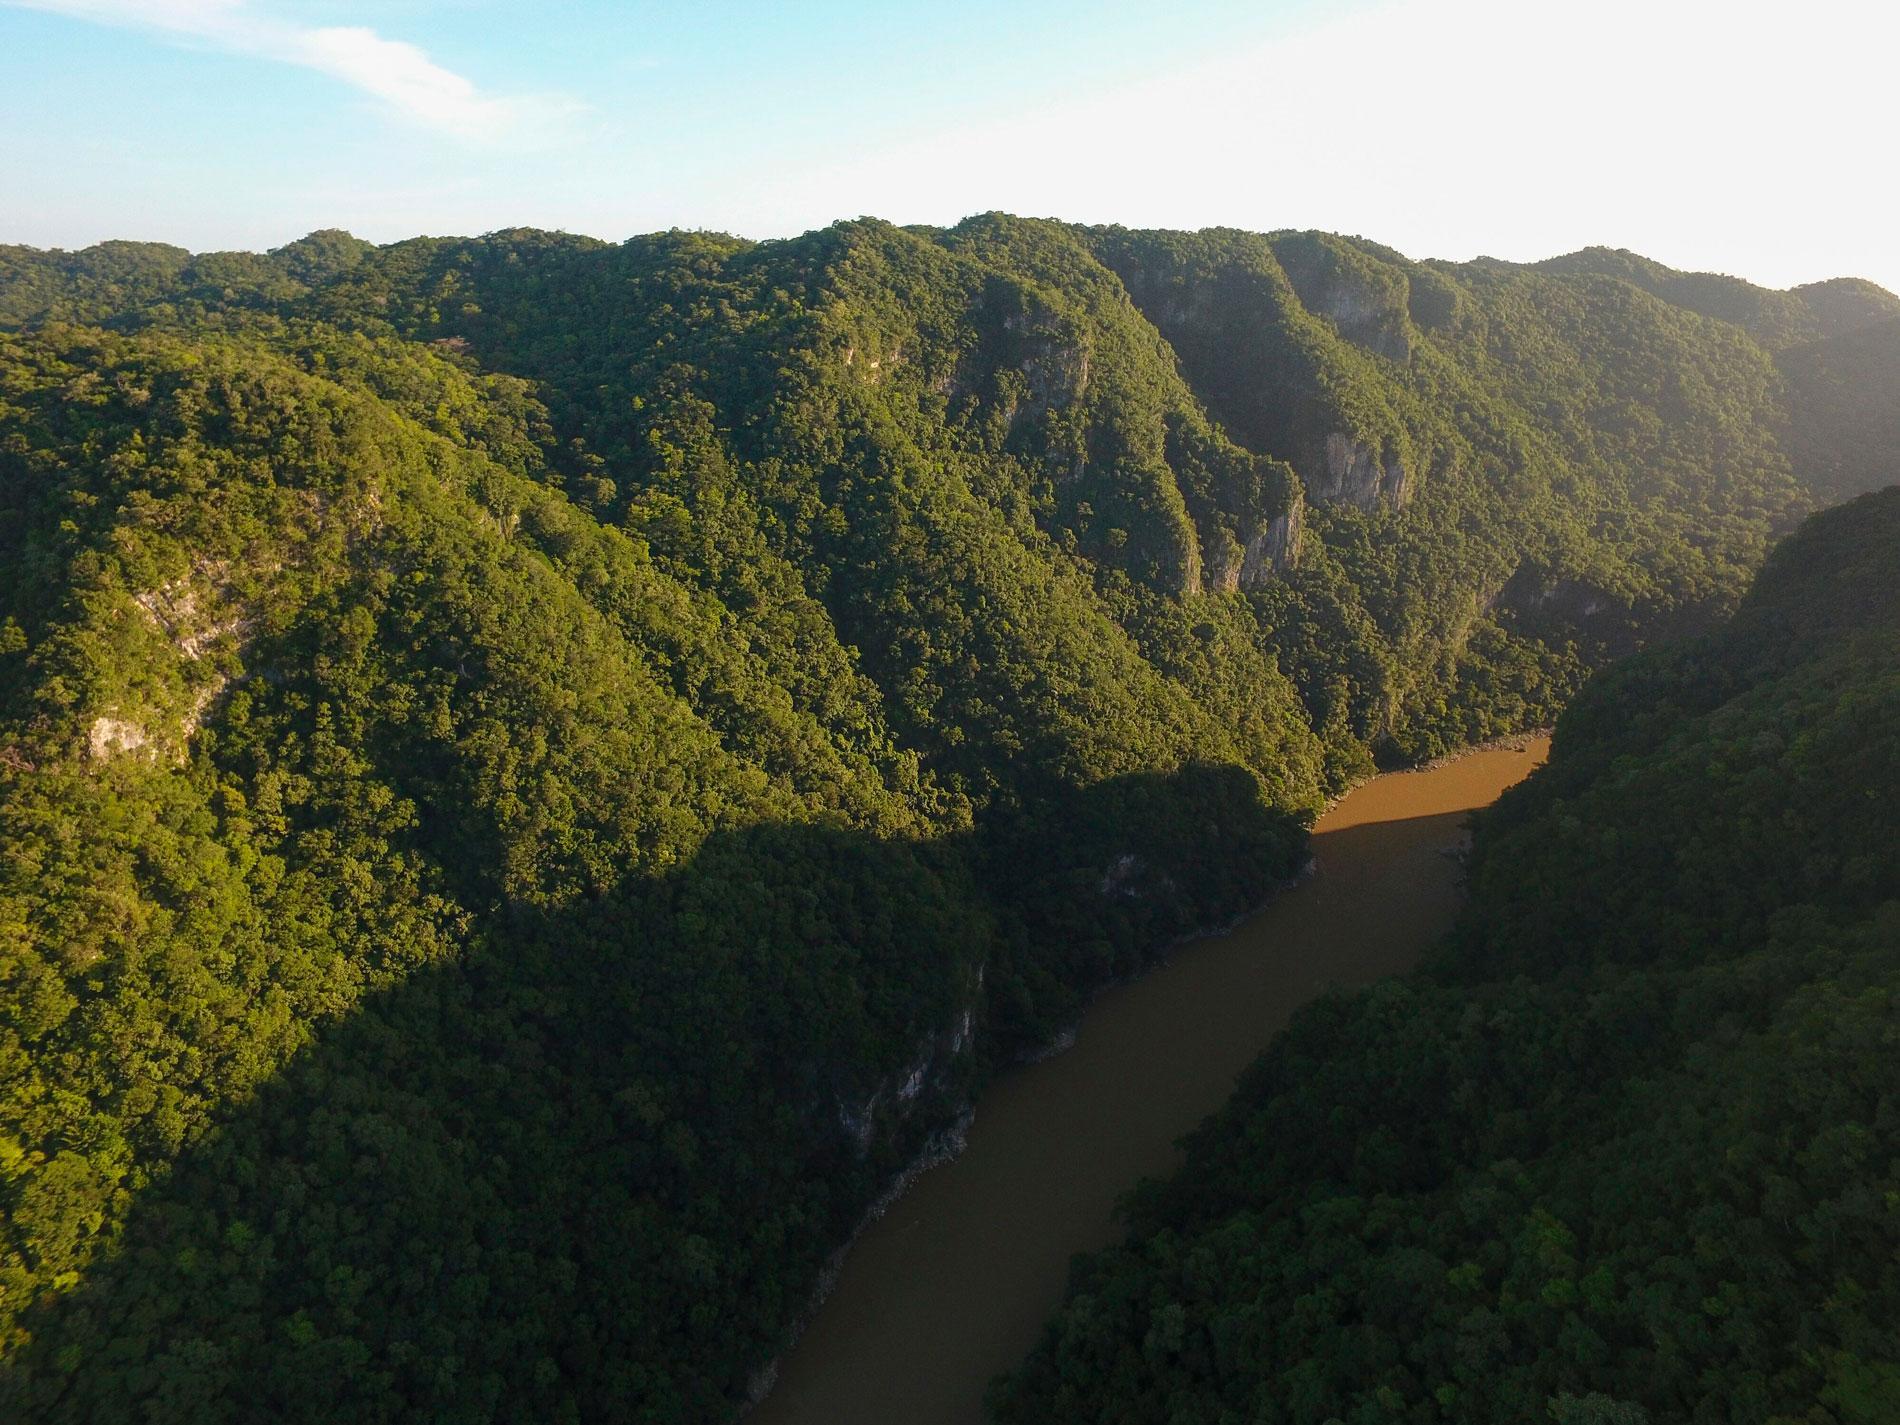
(1748, 138)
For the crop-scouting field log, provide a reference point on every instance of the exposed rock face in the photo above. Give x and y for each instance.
(1274, 550)
(1363, 317)
(1053, 360)
(1051, 354)
(1057, 373)
(1365, 301)
(1185, 565)
(1569, 599)
(186, 609)
(162, 734)
(1351, 474)
(1123, 877)
(1129, 877)
(872, 368)
(888, 1105)
(197, 614)
(112, 736)
(198, 611)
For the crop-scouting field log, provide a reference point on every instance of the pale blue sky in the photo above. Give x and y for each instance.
(1742, 137)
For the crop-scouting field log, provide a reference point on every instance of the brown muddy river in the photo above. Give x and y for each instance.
(952, 1285)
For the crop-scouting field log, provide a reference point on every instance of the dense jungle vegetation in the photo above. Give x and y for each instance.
(534, 774)
(1625, 1150)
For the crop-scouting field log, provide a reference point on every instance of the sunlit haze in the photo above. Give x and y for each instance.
(1745, 138)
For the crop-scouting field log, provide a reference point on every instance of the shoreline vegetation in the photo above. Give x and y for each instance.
(710, 686)
(1504, 741)
(845, 1374)
(1605, 1128)
(943, 1146)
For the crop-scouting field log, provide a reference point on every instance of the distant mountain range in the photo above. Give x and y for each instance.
(535, 774)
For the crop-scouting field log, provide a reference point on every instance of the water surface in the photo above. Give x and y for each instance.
(952, 1285)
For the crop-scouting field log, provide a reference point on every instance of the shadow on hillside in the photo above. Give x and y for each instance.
(591, 1168)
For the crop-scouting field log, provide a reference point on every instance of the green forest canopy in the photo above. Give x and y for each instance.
(535, 773)
(1625, 1149)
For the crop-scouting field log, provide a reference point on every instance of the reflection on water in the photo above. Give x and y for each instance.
(952, 1285)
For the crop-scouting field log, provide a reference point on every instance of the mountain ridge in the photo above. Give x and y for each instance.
(1613, 1155)
(804, 670)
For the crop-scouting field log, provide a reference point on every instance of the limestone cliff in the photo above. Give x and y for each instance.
(1350, 473)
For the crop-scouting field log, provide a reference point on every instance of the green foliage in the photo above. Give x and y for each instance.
(1625, 1150)
(1776, 319)
(1514, 474)
(534, 774)
(1844, 424)
(383, 770)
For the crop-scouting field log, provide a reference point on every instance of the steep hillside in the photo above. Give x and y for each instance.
(1625, 1150)
(537, 773)
(1504, 474)
(326, 710)
(1777, 320)
(1845, 427)
(1511, 476)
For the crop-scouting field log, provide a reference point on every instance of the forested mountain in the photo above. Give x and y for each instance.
(535, 773)
(1626, 1149)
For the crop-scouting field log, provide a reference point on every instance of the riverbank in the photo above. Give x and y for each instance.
(947, 1143)
(951, 1284)
(1505, 742)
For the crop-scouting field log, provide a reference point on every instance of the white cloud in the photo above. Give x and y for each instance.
(397, 73)
(402, 75)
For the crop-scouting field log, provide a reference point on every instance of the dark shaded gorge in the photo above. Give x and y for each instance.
(566, 1174)
(953, 1283)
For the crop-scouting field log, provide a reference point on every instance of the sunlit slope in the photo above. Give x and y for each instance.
(485, 716)
(377, 778)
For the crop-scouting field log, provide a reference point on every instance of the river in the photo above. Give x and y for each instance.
(951, 1286)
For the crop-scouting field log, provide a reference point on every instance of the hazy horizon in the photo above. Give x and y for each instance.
(1735, 139)
(873, 217)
